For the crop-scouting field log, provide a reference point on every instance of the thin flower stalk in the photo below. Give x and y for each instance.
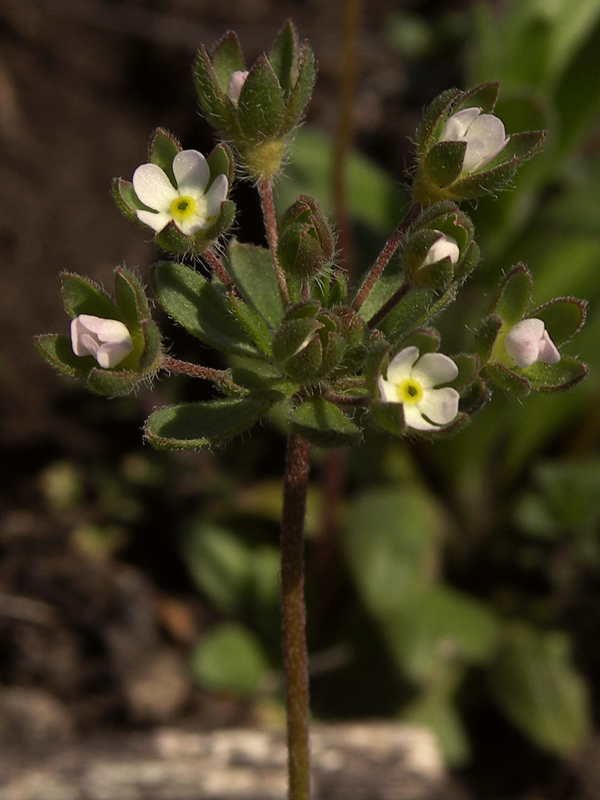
(265, 190)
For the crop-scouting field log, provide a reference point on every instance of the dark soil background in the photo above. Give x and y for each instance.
(99, 642)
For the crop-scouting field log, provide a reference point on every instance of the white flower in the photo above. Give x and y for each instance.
(484, 134)
(443, 247)
(189, 206)
(234, 87)
(528, 342)
(108, 340)
(411, 380)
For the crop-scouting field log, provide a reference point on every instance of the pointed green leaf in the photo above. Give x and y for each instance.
(413, 311)
(227, 58)
(131, 300)
(537, 686)
(150, 357)
(563, 317)
(82, 296)
(251, 269)
(552, 377)
(199, 306)
(260, 107)
(514, 295)
(57, 351)
(323, 424)
(253, 324)
(444, 162)
(190, 426)
(284, 57)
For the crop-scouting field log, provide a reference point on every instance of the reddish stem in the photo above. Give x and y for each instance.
(265, 190)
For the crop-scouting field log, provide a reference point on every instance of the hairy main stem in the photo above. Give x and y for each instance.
(293, 615)
(265, 190)
(383, 259)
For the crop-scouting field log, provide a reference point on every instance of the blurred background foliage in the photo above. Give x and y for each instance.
(451, 583)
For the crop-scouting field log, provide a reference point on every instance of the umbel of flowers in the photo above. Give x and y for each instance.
(334, 359)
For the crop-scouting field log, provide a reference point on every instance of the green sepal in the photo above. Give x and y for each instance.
(127, 200)
(283, 57)
(251, 269)
(506, 379)
(260, 107)
(443, 163)
(227, 58)
(468, 370)
(323, 424)
(215, 105)
(56, 349)
(131, 300)
(427, 340)
(475, 396)
(306, 365)
(221, 162)
(190, 426)
(483, 97)
(467, 263)
(299, 251)
(434, 117)
(173, 240)
(376, 361)
(486, 337)
(113, 383)
(498, 173)
(162, 150)
(82, 296)
(253, 324)
(389, 417)
(554, 377)
(514, 295)
(301, 93)
(292, 337)
(563, 317)
(334, 347)
(149, 361)
(199, 306)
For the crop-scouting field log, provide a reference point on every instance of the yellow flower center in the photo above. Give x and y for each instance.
(183, 207)
(409, 391)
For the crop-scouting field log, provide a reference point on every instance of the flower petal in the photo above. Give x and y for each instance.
(434, 368)
(153, 187)
(440, 405)
(443, 247)
(485, 138)
(414, 419)
(215, 195)
(522, 342)
(112, 353)
(106, 330)
(548, 351)
(457, 125)
(157, 220)
(388, 391)
(191, 171)
(401, 365)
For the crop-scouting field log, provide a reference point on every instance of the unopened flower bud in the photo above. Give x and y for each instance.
(444, 247)
(107, 340)
(234, 87)
(528, 342)
(484, 134)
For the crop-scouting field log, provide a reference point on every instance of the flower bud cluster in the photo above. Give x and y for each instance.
(256, 109)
